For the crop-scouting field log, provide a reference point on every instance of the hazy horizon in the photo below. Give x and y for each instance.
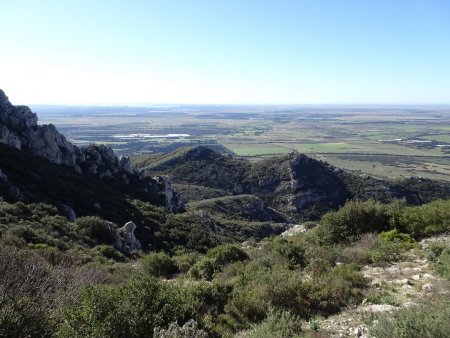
(293, 105)
(226, 52)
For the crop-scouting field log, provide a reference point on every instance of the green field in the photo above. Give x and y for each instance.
(440, 138)
(255, 149)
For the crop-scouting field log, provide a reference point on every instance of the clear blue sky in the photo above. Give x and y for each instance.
(243, 51)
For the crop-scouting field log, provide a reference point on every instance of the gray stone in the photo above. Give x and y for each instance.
(130, 243)
(376, 308)
(125, 164)
(294, 230)
(427, 288)
(10, 138)
(68, 212)
(172, 198)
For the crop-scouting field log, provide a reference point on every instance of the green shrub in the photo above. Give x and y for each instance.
(357, 252)
(293, 252)
(225, 254)
(203, 269)
(110, 252)
(260, 288)
(27, 233)
(185, 261)
(354, 219)
(427, 219)
(439, 254)
(386, 247)
(326, 293)
(95, 228)
(130, 310)
(397, 237)
(216, 259)
(56, 223)
(442, 265)
(390, 247)
(158, 264)
(429, 320)
(383, 297)
(25, 318)
(326, 253)
(434, 250)
(16, 209)
(277, 324)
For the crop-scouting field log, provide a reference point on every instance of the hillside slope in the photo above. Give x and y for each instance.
(293, 183)
(38, 164)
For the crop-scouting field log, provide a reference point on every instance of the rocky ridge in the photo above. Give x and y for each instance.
(19, 129)
(295, 184)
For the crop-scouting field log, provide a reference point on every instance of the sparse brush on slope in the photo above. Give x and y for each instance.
(302, 187)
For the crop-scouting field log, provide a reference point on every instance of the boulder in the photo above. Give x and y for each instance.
(125, 164)
(10, 138)
(130, 243)
(427, 288)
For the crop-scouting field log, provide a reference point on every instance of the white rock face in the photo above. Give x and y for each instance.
(19, 129)
(172, 198)
(9, 138)
(47, 142)
(129, 241)
(125, 164)
(427, 288)
(296, 229)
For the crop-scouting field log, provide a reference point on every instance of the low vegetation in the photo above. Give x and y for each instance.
(427, 320)
(297, 185)
(81, 286)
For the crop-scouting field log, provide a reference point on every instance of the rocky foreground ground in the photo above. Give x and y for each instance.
(402, 284)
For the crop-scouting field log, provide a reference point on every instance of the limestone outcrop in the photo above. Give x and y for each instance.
(172, 199)
(126, 241)
(19, 128)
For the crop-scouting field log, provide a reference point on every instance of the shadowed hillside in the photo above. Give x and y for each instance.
(295, 184)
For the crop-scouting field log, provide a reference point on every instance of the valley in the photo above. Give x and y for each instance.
(194, 236)
(385, 142)
(225, 169)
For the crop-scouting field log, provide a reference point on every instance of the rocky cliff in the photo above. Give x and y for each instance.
(19, 129)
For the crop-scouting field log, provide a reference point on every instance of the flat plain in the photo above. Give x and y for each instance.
(388, 142)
